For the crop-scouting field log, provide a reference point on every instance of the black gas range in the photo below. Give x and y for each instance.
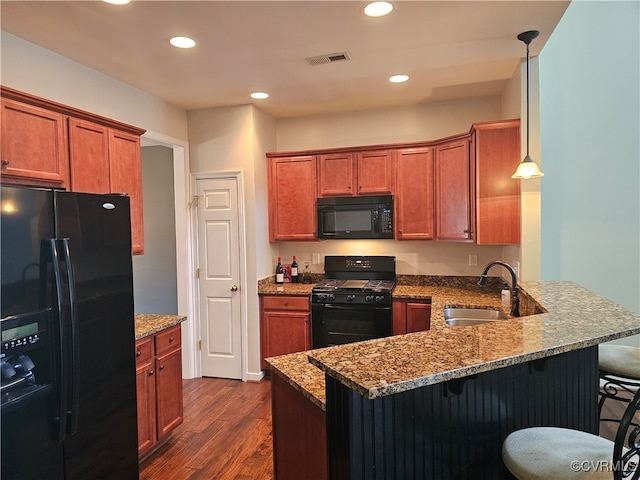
(353, 303)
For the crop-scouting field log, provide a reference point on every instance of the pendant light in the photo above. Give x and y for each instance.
(528, 168)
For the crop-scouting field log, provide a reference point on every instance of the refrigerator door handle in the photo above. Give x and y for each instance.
(75, 340)
(62, 372)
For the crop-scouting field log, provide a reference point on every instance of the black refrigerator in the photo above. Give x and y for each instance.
(68, 399)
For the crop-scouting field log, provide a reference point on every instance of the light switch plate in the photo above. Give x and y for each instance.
(473, 260)
(315, 258)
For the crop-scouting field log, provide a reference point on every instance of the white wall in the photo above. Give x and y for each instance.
(154, 273)
(590, 118)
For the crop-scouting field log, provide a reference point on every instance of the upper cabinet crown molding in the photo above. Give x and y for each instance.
(52, 106)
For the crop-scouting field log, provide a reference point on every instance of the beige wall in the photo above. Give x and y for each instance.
(25, 66)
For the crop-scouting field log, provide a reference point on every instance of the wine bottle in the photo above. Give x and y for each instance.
(279, 272)
(294, 270)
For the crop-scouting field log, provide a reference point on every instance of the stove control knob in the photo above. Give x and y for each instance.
(368, 298)
(379, 298)
(331, 297)
(351, 298)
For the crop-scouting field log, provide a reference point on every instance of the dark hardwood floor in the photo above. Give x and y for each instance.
(226, 434)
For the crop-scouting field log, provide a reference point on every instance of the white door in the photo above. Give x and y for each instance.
(219, 278)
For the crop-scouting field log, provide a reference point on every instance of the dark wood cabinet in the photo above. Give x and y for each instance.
(45, 143)
(292, 198)
(356, 173)
(495, 150)
(159, 387)
(285, 325)
(34, 145)
(453, 191)
(89, 156)
(146, 395)
(125, 173)
(414, 198)
(376, 175)
(411, 316)
(336, 175)
(456, 189)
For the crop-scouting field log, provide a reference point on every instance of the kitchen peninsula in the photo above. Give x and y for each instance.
(438, 403)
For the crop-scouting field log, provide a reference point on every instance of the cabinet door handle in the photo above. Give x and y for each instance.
(161, 367)
(138, 353)
(151, 372)
(5, 163)
(170, 339)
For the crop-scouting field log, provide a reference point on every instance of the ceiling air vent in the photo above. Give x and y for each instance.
(328, 58)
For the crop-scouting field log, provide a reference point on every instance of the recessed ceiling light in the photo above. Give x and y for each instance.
(378, 9)
(117, 2)
(399, 78)
(259, 95)
(182, 42)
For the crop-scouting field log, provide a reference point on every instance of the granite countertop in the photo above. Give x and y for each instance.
(573, 318)
(147, 324)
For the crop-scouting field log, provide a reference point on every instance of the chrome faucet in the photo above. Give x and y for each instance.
(515, 302)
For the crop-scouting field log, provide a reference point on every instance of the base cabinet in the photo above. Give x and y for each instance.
(411, 316)
(285, 325)
(159, 387)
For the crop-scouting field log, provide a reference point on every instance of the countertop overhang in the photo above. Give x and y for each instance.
(147, 324)
(576, 318)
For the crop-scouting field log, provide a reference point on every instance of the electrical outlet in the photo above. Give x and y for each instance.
(315, 258)
(473, 260)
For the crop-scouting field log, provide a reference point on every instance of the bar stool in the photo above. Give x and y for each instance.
(619, 371)
(542, 453)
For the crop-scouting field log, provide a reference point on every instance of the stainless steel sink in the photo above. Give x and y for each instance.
(466, 317)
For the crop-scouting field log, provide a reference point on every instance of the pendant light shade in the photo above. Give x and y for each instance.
(528, 168)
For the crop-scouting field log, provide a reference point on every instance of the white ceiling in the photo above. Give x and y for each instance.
(450, 49)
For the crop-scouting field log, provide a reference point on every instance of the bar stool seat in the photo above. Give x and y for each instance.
(619, 372)
(619, 360)
(543, 453)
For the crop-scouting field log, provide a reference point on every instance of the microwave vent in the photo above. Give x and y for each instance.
(328, 58)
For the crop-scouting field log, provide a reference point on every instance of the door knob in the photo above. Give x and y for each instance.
(234, 288)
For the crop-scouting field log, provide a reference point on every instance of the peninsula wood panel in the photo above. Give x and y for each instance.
(34, 145)
(414, 198)
(454, 430)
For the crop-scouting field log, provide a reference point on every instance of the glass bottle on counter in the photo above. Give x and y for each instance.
(306, 274)
(279, 272)
(294, 270)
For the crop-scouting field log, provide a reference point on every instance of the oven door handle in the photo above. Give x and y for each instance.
(356, 306)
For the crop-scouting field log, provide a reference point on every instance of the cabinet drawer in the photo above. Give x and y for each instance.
(168, 340)
(281, 302)
(144, 351)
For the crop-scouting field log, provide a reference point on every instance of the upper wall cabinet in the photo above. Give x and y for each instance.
(45, 143)
(292, 198)
(414, 194)
(360, 173)
(34, 145)
(453, 191)
(457, 188)
(495, 151)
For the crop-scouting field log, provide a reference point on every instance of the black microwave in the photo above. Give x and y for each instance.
(355, 217)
